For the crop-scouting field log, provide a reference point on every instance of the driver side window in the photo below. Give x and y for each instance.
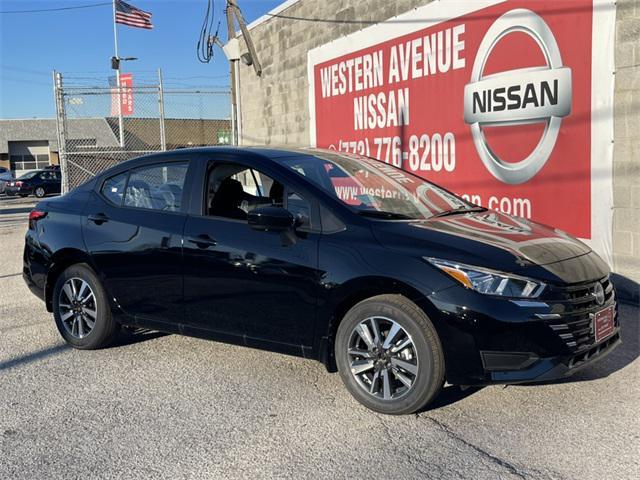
(234, 190)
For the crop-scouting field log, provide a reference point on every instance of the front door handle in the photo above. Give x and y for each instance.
(203, 241)
(98, 218)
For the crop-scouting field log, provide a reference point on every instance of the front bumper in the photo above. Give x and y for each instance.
(489, 340)
(552, 368)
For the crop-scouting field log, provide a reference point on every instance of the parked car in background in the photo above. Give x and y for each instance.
(395, 282)
(5, 177)
(38, 183)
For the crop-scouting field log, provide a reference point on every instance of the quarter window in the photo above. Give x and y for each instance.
(113, 188)
(158, 187)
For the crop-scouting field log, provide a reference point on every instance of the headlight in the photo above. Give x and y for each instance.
(490, 282)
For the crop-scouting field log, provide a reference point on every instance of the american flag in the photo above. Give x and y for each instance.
(134, 17)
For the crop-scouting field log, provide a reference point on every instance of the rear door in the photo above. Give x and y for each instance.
(133, 228)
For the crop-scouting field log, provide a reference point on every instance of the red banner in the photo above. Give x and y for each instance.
(494, 104)
(126, 95)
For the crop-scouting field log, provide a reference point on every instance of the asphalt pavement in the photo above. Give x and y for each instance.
(166, 406)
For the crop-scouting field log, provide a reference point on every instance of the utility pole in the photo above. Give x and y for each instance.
(115, 40)
(231, 34)
(250, 58)
(247, 37)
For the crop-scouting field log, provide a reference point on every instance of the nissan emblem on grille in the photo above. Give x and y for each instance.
(598, 293)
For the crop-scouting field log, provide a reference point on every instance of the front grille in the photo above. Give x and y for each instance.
(593, 352)
(572, 310)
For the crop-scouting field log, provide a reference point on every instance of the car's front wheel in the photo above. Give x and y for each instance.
(389, 355)
(39, 192)
(81, 309)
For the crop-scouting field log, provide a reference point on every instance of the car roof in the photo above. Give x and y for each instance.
(268, 153)
(263, 151)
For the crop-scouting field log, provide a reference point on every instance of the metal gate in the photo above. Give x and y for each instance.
(99, 126)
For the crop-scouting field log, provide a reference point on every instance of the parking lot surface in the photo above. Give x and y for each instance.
(166, 406)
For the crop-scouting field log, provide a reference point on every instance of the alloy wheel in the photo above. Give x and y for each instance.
(39, 192)
(383, 358)
(77, 307)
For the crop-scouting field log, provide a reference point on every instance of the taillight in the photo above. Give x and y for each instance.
(34, 216)
(18, 184)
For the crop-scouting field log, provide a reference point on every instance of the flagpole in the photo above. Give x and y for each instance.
(115, 41)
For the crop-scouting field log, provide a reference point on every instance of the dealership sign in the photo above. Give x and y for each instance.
(507, 103)
(125, 97)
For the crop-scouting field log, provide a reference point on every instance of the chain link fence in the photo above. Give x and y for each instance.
(100, 124)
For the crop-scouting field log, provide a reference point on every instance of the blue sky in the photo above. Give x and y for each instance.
(79, 43)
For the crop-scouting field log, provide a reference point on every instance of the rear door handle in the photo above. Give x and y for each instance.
(98, 218)
(203, 241)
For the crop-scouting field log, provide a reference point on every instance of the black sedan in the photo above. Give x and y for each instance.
(37, 182)
(391, 280)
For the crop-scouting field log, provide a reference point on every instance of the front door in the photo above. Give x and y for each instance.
(133, 230)
(255, 284)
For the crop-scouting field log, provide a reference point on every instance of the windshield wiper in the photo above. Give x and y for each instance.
(458, 211)
(384, 214)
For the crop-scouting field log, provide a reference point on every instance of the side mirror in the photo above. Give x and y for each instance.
(270, 219)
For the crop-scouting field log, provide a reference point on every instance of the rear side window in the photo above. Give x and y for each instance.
(113, 188)
(158, 187)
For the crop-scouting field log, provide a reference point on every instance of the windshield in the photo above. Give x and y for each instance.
(28, 175)
(375, 188)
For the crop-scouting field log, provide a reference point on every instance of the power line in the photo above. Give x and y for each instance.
(56, 9)
(206, 40)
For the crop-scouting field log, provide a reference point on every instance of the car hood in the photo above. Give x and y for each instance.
(497, 241)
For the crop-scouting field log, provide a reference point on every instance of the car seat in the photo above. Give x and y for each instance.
(138, 194)
(227, 199)
(276, 193)
(168, 197)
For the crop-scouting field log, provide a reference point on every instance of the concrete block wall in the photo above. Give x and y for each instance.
(274, 107)
(626, 148)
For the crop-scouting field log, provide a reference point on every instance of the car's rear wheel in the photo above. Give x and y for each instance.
(81, 309)
(389, 355)
(39, 192)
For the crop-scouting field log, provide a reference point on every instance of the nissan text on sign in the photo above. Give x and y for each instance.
(507, 103)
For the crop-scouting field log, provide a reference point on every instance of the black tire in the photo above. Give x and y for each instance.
(429, 379)
(105, 330)
(39, 192)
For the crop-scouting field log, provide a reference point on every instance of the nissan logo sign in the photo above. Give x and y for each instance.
(519, 96)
